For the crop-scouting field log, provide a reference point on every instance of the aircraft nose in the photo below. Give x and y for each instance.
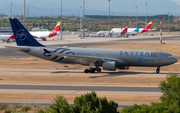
(173, 59)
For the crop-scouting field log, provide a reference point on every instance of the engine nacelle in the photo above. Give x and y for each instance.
(109, 65)
(124, 67)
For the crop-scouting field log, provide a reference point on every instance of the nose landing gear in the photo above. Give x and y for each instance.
(158, 70)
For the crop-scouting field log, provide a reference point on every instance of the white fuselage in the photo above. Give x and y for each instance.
(4, 37)
(40, 34)
(117, 31)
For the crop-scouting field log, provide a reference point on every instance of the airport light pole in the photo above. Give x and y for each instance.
(83, 19)
(109, 18)
(24, 11)
(11, 11)
(168, 22)
(136, 16)
(146, 16)
(80, 17)
(61, 21)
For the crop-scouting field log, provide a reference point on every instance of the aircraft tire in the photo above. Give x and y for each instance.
(98, 70)
(86, 71)
(92, 70)
(158, 70)
(44, 39)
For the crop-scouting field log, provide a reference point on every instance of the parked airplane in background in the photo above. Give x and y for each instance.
(4, 37)
(109, 59)
(132, 31)
(103, 33)
(86, 30)
(39, 29)
(119, 33)
(44, 34)
(141, 30)
(41, 34)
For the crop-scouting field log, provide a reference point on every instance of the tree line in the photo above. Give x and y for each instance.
(93, 25)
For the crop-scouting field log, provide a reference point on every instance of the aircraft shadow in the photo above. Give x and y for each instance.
(110, 74)
(123, 73)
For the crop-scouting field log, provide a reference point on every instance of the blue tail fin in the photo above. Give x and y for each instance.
(137, 29)
(22, 36)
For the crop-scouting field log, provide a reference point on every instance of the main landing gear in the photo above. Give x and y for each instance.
(92, 70)
(158, 70)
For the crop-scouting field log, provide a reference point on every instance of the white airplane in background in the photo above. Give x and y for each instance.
(40, 34)
(86, 30)
(43, 34)
(4, 37)
(141, 30)
(131, 31)
(120, 33)
(103, 33)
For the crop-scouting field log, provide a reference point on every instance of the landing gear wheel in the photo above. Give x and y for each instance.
(158, 70)
(44, 39)
(86, 71)
(92, 70)
(98, 70)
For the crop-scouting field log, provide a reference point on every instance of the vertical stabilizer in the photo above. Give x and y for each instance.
(22, 36)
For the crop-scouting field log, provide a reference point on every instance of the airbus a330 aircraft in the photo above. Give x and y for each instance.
(108, 59)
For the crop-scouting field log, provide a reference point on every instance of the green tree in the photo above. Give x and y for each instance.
(90, 103)
(170, 89)
(60, 105)
(170, 100)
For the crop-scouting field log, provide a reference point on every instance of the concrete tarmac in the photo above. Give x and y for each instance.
(79, 88)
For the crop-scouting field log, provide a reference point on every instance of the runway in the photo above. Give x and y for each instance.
(79, 88)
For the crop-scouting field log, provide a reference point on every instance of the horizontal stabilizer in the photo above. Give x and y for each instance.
(25, 49)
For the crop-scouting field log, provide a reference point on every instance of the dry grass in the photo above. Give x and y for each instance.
(41, 97)
(86, 80)
(33, 63)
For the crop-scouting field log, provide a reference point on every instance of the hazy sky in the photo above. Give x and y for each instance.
(70, 7)
(176, 1)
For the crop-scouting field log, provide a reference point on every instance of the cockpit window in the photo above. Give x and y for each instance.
(169, 56)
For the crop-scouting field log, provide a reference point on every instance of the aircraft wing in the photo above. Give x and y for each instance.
(84, 58)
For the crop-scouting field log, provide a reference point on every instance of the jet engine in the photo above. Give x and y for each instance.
(109, 65)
